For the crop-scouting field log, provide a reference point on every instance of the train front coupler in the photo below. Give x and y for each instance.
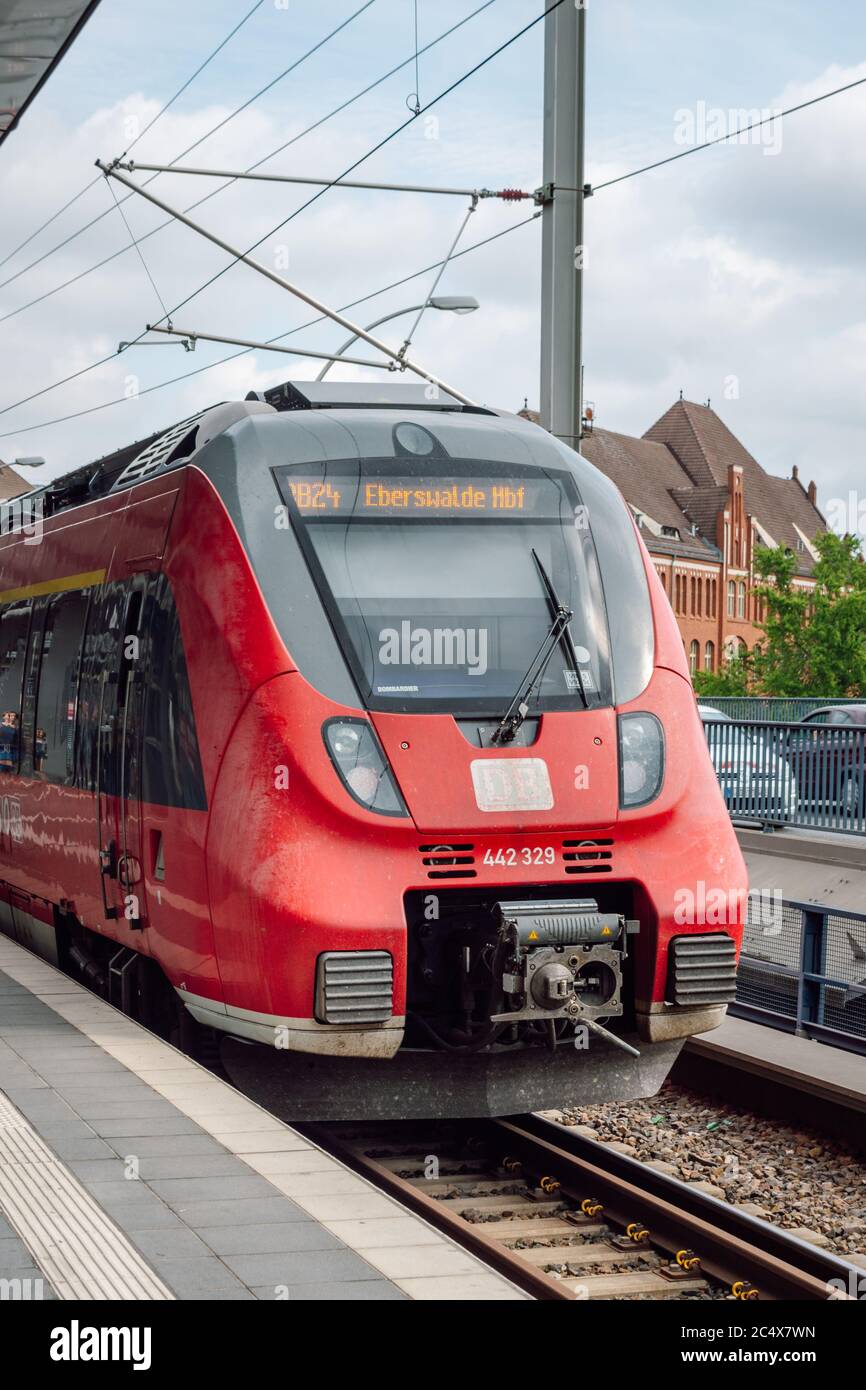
(563, 962)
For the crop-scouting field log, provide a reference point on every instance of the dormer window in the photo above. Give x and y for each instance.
(671, 531)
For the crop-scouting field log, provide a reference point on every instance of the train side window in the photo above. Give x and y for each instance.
(98, 659)
(130, 647)
(57, 700)
(31, 681)
(14, 626)
(172, 772)
(130, 694)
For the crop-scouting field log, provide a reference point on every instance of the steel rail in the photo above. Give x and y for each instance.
(471, 1237)
(761, 1261)
(731, 1244)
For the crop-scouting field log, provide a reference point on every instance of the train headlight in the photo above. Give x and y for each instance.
(362, 766)
(641, 759)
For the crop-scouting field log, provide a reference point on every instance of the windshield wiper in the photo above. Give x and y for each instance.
(558, 631)
(555, 606)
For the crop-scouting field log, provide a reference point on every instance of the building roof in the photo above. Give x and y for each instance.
(645, 473)
(705, 449)
(11, 483)
(649, 478)
(793, 509)
(701, 505)
(676, 477)
(687, 548)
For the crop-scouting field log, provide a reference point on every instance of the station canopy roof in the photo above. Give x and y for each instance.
(34, 36)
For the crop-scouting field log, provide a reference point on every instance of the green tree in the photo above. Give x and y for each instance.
(734, 677)
(815, 640)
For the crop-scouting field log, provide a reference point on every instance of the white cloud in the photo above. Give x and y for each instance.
(730, 264)
(725, 265)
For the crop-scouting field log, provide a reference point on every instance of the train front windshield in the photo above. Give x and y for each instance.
(442, 585)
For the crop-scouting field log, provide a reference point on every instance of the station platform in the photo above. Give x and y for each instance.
(810, 866)
(129, 1172)
(779, 1073)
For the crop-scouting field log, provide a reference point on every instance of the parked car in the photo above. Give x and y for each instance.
(828, 755)
(756, 781)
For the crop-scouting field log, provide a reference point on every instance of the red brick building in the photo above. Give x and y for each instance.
(703, 504)
(11, 483)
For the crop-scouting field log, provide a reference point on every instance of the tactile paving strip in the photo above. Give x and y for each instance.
(79, 1249)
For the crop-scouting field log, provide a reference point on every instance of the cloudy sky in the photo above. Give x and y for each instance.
(737, 274)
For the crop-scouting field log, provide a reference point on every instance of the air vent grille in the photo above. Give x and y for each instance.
(587, 856)
(151, 459)
(448, 861)
(354, 987)
(702, 970)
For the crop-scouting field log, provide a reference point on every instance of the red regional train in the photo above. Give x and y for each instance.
(348, 733)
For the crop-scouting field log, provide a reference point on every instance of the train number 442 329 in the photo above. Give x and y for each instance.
(514, 858)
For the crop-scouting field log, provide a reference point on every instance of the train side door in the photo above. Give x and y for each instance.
(118, 776)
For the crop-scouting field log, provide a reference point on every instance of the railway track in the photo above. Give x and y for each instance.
(568, 1219)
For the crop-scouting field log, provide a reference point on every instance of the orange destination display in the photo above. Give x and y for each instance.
(408, 496)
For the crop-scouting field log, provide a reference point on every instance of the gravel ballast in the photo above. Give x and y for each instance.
(795, 1178)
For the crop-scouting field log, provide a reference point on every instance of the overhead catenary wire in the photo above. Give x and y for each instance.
(291, 287)
(416, 104)
(328, 116)
(646, 168)
(335, 111)
(138, 249)
(70, 202)
(233, 356)
(407, 341)
(395, 359)
(371, 86)
(356, 14)
(721, 139)
(199, 70)
(195, 144)
(378, 146)
(151, 123)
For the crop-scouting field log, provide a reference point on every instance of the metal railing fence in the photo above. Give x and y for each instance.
(803, 775)
(773, 708)
(803, 969)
